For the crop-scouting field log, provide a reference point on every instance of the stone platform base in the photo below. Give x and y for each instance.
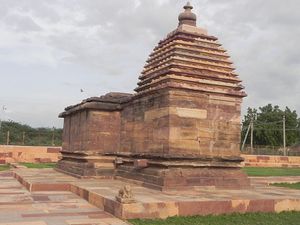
(175, 173)
(158, 173)
(21, 207)
(150, 203)
(182, 178)
(86, 166)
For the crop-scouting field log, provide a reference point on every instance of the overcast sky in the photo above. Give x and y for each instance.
(50, 49)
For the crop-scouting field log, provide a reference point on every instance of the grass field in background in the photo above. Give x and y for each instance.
(39, 165)
(287, 185)
(284, 218)
(4, 167)
(250, 171)
(270, 171)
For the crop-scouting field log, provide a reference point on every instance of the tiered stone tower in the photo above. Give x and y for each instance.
(180, 129)
(190, 59)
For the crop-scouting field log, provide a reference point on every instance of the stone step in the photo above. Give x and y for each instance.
(151, 203)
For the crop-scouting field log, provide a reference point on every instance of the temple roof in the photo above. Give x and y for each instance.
(189, 58)
(187, 17)
(109, 102)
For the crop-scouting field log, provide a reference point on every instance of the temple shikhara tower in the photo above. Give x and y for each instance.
(181, 127)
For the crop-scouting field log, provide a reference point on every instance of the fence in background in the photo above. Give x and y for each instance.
(271, 150)
(54, 138)
(35, 138)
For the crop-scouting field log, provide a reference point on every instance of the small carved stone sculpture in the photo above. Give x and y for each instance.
(125, 195)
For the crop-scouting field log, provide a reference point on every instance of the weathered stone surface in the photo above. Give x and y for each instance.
(51, 205)
(125, 195)
(30, 154)
(187, 107)
(271, 161)
(150, 203)
(180, 178)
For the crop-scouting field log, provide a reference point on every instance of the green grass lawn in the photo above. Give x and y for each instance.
(287, 185)
(39, 165)
(284, 218)
(4, 167)
(269, 171)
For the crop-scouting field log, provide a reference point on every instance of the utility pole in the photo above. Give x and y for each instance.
(251, 138)
(3, 109)
(7, 138)
(39, 137)
(1, 121)
(53, 136)
(1, 132)
(23, 139)
(245, 138)
(284, 136)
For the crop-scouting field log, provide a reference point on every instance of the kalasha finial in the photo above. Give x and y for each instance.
(187, 17)
(188, 6)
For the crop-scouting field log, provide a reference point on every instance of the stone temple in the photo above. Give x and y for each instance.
(181, 127)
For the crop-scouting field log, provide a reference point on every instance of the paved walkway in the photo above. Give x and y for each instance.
(20, 207)
(156, 204)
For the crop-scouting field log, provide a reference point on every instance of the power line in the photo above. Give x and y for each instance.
(295, 129)
(266, 123)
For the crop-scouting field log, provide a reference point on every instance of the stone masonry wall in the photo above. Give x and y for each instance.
(103, 131)
(74, 134)
(142, 129)
(202, 124)
(29, 154)
(182, 123)
(93, 131)
(271, 161)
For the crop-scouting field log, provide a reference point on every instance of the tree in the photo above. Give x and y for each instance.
(20, 134)
(268, 125)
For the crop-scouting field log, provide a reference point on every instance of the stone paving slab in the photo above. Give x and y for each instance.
(20, 207)
(156, 204)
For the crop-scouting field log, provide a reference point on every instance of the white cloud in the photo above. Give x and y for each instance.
(51, 49)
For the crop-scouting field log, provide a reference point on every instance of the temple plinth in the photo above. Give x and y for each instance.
(180, 129)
